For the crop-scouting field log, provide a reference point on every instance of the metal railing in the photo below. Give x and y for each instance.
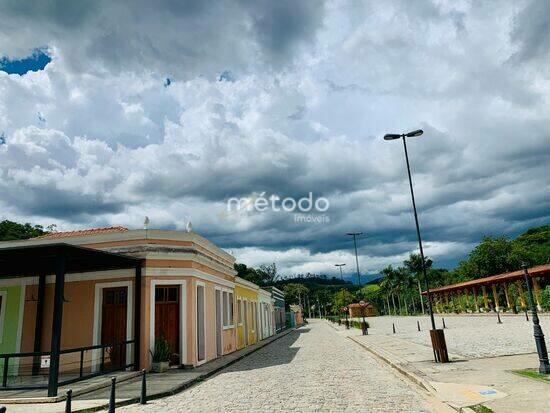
(102, 368)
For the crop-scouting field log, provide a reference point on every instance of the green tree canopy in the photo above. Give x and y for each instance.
(10, 231)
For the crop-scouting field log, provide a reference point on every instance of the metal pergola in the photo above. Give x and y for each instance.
(60, 259)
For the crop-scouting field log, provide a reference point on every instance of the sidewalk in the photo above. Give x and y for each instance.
(463, 382)
(158, 385)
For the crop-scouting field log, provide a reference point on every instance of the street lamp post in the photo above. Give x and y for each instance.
(440, 334)
(354, 235)
(340, 266)
(544, 366)
(364, 330)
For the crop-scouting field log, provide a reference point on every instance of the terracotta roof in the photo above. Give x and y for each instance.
(83, 233)
(538, 271)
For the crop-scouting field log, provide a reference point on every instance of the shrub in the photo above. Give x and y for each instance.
(357, 324)
(161, 351)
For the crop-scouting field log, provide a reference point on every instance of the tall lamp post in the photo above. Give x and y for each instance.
(354, 235)
(438, 337)
(544, 367)
(340, 266)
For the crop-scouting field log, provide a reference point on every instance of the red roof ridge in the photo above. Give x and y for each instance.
(83, 232)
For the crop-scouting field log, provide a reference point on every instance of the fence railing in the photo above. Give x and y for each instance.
(117, 360)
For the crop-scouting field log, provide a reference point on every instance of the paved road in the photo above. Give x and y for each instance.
(312, 369)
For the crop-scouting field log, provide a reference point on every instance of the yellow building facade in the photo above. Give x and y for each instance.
(246, 294)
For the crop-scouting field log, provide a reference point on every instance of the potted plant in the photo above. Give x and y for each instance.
(161, 355)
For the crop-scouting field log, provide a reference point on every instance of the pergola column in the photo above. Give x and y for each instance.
(39, 319)
(495, 297)
(536, 287)
(520, 294)
(507, 294)
(485, 298)
(475, 299)
(439, 303)
(465, 300)
(57, 322)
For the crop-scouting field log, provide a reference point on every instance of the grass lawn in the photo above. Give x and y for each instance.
(533, 374)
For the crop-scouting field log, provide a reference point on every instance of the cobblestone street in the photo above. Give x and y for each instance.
(312, 369)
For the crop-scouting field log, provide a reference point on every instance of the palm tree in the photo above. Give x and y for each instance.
(414, 265)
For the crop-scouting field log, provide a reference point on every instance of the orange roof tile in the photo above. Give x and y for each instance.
(83, 233)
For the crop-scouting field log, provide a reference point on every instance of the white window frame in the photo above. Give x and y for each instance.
(239, 311)
(253, 306)
(226, 309)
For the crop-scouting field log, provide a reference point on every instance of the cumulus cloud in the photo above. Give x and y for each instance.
(280, 98)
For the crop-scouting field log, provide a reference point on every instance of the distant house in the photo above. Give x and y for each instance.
(176, 285)
(266, 315)
(355, 310)
(296, 318)
(247, 312)
(279, 307)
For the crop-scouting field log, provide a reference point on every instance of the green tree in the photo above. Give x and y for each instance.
(10, 231)
(295, 293)
(268, 274)
(341, 299)
(414, 265)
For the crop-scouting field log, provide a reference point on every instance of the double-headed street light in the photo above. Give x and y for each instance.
(438, 338)
(354, 235)
(340, 266)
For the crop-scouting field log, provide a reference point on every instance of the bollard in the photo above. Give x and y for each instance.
(393, 325)
(418, 324)
(112, 396)
(443, 319)
(526, 315)
(68, 401)
(143, 398)
(2, 409)
(498, 316)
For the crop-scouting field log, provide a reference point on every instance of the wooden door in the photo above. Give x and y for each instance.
(167, 318)
(113, 326)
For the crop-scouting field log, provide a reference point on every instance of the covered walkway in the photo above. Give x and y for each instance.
(505, 288)
(59, 259)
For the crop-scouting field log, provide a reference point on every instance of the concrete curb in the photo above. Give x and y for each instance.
(184, 386)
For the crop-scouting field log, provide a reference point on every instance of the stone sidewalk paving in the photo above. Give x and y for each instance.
(466, 381)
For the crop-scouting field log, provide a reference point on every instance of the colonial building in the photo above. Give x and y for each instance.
(114, 292)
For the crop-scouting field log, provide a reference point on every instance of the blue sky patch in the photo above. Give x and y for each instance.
(35, 62)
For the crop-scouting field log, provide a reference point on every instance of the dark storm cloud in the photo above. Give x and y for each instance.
(181, 38)
(532, 31)
(281, 98)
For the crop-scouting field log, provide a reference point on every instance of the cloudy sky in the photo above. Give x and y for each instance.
(170, 108)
